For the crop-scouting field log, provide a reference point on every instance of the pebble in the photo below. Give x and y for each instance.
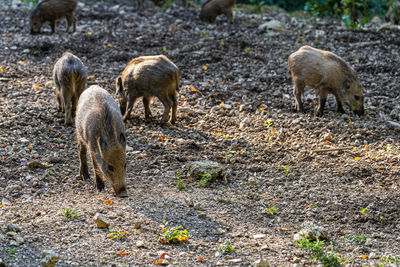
(13, 228)
(261, 263)
(140, 244)
(220, 231)
(5, 201)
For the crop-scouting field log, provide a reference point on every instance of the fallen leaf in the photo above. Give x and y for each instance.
(159, 261)
(125, 233)
(201, 259)
(50, 129)
(21, 62)
(234, 85)
(36, 87)
(328, 143)
(357, 158)
(364, 256)
(163, 255)
(161, 138)
(108, 202)
(123, 253)
(366, 146)
(262, 108)
(234, 260)
(109, 45)
(192, 88)
(1, 69)
(4, 146)
(89, 33)
(205, 67)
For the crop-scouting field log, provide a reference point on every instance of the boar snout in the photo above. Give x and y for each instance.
(359, 112)
(121, 193)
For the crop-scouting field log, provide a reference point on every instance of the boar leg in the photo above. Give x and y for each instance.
(174, 108)
(228, 13)
(83, 169)
(69, 21)
(59, 101)
(129, 107)
(323, 94)
(53, 26)
(146, 104)
(339, 105)
(297, 91)
(167, 108)
(68, 110)
(74, 24)
(98, 182)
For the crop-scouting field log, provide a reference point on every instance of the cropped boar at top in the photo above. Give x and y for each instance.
(100, 132)
(52, 11)
(211, 9)
(328, 73)
(149, 77)
(69, 75)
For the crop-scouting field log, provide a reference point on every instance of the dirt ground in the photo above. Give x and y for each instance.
(236, 108)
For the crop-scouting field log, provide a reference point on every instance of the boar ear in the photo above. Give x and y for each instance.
(122, 139)
(118, 86)
(346, 84)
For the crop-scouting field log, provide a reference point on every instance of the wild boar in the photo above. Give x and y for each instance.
(213, 8)
(328, 73)
(51, 11)
(147, 77)
(69, 75)
(101, 132)
(393, 14)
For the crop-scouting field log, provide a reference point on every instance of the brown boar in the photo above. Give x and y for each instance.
(328, 73)
(69, 75)
(213, 8)
(393, 14)
(101, 132)
(51, 11)
(147, 77)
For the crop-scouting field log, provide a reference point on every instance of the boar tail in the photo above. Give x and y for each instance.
(118, 85)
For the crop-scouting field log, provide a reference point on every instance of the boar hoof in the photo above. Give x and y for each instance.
(122, 194)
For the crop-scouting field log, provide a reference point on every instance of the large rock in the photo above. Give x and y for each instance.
(202, 168)
(311, 231)
(101, 221)
(274, 25)
(50, 258)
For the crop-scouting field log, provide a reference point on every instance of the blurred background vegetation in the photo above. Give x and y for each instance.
(353, 13)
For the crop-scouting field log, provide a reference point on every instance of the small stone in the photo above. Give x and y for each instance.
(101, 221)
(13, 228)
(274, 25)
(258, 236)
(219, 231)
(5, 201)
(138, 225)
(50, 258)
(368, 242)
(12, 234)
(49, 84)
(311, 231)
(226, 106)
(129, 148)
(140, 244)
(19, 239)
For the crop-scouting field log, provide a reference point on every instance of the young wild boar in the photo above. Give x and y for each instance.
(101, 132)
(327, 73)
(147, 77)
(51, 11)
(69, 75)
(213, 8)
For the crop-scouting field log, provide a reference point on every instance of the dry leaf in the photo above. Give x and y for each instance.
(201, 259)
(123, 253)
(192, 88)
(364, 256)
(262, 108)
(159, 261)
(50, 129)
(234, 260)
(108, 202)
(89, 33)
(205, 67)
(328, 143)
(357, 158)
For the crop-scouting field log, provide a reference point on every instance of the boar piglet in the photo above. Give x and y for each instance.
(328, 73)
(69, 75)
(100, 132)
(147, 77)
(51, 11)
(213, 8)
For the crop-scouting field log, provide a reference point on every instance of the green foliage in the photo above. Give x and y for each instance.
(70, 213)
(205, 179)
(226, 248)
(12, 251)
(116, 234)
(353, 13)
(173, 235)
(315, 248)
(389, 260)
(355, 239)
(271, 210)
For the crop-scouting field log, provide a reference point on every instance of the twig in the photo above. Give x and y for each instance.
(4, 79)
(332, 149)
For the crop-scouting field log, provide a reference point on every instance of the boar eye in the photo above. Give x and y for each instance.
(110, 168)
(357, 97)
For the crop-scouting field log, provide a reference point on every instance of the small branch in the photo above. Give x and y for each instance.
(4, 79)
(332, 149)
